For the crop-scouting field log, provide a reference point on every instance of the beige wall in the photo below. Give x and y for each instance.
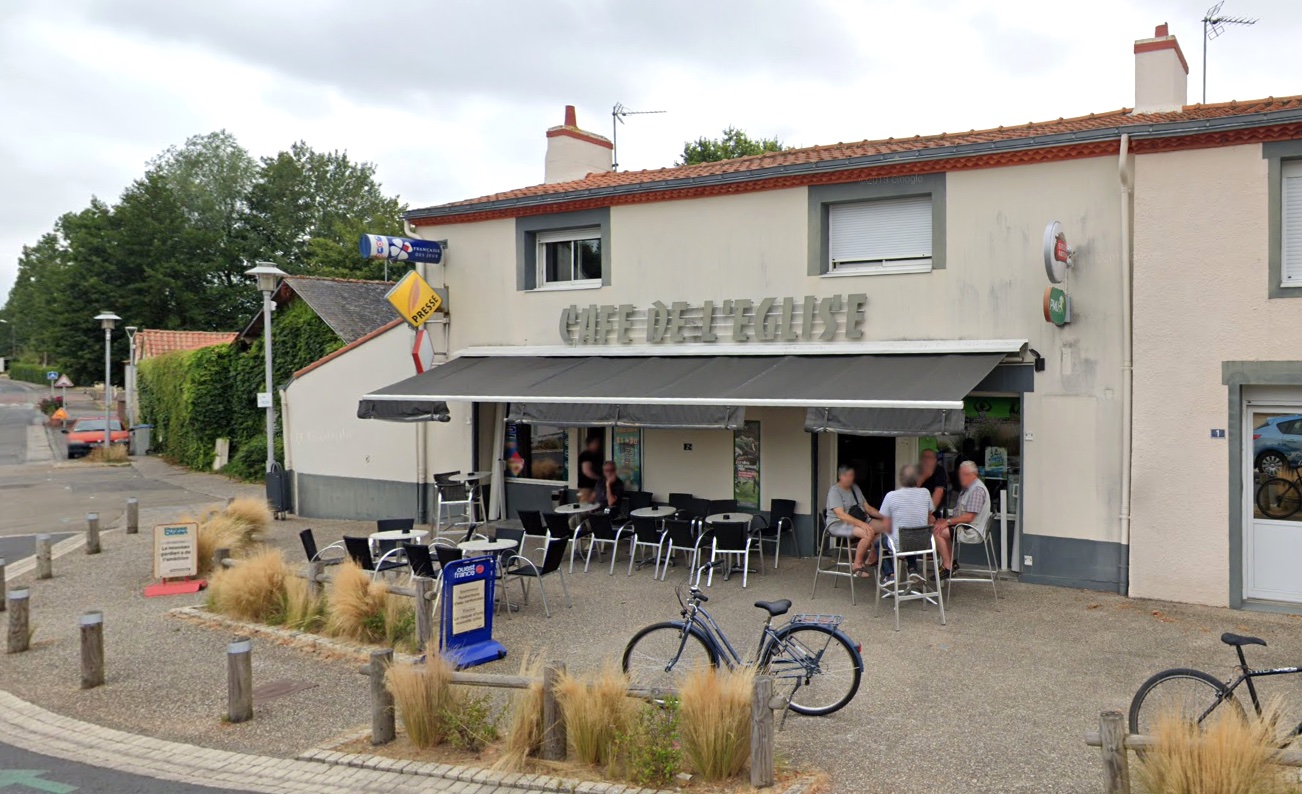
(1200, 299)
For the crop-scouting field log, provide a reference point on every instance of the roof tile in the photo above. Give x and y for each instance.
(151, 342)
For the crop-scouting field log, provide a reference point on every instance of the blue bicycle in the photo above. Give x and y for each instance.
(815, 666)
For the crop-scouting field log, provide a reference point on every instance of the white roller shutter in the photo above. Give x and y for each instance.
(1291, 224)
(887, 234)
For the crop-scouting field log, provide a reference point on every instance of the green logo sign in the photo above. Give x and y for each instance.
(1057, 306)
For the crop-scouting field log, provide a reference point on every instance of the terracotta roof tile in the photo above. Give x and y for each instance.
(152, 342)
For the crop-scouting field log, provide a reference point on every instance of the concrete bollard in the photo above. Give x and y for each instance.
(20, 635)
(92, 533)
(133, 516)
(44, 558)
(92, 650)
(554, 737)
(219, 558)
(239, 680)
(383, 725)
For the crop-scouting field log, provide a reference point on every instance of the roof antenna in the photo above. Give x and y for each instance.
(1213, 26)
(617, 114)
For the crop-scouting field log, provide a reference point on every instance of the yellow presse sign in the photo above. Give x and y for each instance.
(414, 299)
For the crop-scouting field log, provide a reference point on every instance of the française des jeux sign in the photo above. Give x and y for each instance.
(808, 319)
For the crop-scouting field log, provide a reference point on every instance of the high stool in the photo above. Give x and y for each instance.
(841, 551)
(915, 543)
(969, 535)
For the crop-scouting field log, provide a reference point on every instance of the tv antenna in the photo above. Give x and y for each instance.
(617, 114)
(1213, 26)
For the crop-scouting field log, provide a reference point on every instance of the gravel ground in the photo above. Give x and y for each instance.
(996, 701)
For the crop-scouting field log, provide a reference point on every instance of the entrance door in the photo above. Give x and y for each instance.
(1272, 538)
(873, 459)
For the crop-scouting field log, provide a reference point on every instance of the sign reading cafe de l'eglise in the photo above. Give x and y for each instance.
(742, 320)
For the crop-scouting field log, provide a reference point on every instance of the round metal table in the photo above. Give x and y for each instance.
(663, 511)
(486, 546)
(388, 540)
(471, 476)
(580, 507)
(739, 518)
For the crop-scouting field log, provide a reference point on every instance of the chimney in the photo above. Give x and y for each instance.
(573, 153)
(1161, 73)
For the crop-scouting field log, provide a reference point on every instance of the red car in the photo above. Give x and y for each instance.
(86, 434)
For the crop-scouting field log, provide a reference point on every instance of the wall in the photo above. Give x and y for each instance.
(1200, 299)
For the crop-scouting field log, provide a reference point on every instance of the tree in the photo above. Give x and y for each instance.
(734, 143)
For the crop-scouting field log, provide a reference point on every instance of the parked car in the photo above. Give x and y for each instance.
(1277, 445)
(86, 434)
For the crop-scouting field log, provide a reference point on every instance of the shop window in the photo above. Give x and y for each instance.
(569, 258)
(886, 235)
(537, 452)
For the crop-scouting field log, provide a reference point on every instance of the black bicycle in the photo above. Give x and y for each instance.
(1195, 694)
(815, 666)
(1279, 497)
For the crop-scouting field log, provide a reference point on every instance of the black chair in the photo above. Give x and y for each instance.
(680, 501)
(313, 555)
(729, 538)
(446, 555)
(646, 534)
(680, 535)
(601, 531)
(511, 533)
(696, 508)
(359, 549)
(722, 506)
(638, 500)
(523, 568)
(558, 527)
(781, 521)
(395, 524)
(445, 476)
(418, 557)
(532, 521)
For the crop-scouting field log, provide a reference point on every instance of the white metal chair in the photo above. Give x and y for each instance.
(729, 539)
(915, 543)
(601, 531)
(976, 533)
(456, 501)
(780, 521)
(524, 568)
(646, 534)
(681, 535)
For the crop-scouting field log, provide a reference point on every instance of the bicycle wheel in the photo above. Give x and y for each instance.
(1279, 498)
(1184, 693)
(660, 655)
(815, 666)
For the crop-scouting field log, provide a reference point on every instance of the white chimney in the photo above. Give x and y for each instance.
(1161, 73)
(573, 153)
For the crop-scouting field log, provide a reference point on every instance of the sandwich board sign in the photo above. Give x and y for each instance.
(176, 560)
(466, 633)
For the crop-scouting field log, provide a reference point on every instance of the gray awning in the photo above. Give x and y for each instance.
(698, 417)
(404, 410)
(884, 421)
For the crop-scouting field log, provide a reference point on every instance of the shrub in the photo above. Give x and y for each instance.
(221, 530)
(1227, 753)
(524, 718)
(256, 589)
(30, 373)
(596, 709)
(114, 453)
(649, 753)
(252, 511)
(362, 610)
(714, 723)
(302, 611)
(424, 698)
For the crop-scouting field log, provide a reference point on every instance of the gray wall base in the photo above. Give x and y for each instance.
(327, 496)
(1072, 562)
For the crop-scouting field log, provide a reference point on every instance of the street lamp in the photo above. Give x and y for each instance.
(129, 379)
(268, 277)
(107, 320)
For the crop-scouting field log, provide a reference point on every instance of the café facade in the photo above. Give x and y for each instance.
(736, 330)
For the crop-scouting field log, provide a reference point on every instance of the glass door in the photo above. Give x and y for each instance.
(1273, 527)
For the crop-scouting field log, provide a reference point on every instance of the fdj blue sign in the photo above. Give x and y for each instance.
(466, 635)
(400, 249)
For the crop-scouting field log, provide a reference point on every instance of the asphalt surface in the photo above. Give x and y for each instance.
(22, 772)
(17, 547)
(16, 413)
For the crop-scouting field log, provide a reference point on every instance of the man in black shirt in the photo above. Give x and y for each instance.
(589, 468)
(934, 480)
(610, 488)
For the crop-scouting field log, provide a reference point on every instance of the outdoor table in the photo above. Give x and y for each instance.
(471, 476)
(663, 511)
(580, 507)
(486, 546)
(388, 540)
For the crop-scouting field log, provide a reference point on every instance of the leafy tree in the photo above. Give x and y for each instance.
(734, 143)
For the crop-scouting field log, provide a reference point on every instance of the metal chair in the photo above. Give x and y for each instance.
(696, 508)
(603, 532)
(447, 554)
(915, 543)
(395, 524)
(968, 535)
(680, 535)
(639, 499)
(359, 549)
(646, 534)
(313, 555)
(729, 538)
(418, 557)
(680, 501)
(841, 552)
(714, 506)
(459, 500)
(558, 527)
(781, 520)
(533, 524)
(523, 568)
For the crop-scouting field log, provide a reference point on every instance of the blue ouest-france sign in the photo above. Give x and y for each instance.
(466, 635)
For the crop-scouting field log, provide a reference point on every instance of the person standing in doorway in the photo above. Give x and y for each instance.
(590, 468)
(934, 480)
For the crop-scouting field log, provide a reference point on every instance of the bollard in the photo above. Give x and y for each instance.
(761, 733)
(239, 683)
(219, 558)
(2, 584)
(19, 634)
(315, 587)
(44, 559)
(1116, 759)
(424, 610)
(133, 516)
(92, 650)
(92, 533)
(553, 738)
(383, 727)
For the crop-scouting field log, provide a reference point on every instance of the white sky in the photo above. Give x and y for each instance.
(451, 99)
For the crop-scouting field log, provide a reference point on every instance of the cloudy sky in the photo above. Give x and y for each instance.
(451, 99)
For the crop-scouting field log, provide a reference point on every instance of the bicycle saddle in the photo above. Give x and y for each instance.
(775, 608)
(1239, 640)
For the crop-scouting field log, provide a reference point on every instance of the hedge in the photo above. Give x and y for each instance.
(31, 373)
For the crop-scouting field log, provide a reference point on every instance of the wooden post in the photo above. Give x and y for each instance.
(92, 650)
(761, 733)
(239, 683)
(219, 558)
(2, 584)
(44, 559)
(315, 587)
(92, 533)
(19, 635)
(424, 609)
(1116, 759)
(133, 516)
(383, 727)
(553, 738)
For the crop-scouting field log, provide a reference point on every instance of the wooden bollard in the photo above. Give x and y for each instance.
(19, 634)
(553, 738)
(239, 680)
(44, 558)
(133, 516)
(219, 558)
(315, 587)
(92, 650)
(383, 726)
(3, 589)
(92, 533)
(761, 733)
(424, 609)
(1116, 759)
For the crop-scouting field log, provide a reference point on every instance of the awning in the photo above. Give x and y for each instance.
(404, 410)
(683, 417)
(624, 389)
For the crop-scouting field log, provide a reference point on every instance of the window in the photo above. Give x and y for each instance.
(1291, 223)
(537, 452)
(885, 235)
(569, 258)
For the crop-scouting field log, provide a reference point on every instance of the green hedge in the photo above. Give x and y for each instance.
(31, 373)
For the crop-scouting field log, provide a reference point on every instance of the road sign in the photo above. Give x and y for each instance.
(51, 375)
(467, 626)
(400, 249)
(64, 382)
(32, 780)
(414, 299)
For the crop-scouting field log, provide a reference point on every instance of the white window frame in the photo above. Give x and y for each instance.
(879, 267)
(1289, 169)
(542, 239)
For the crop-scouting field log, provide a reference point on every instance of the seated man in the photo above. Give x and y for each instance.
(906, 507)
(842, 498)
(973, 508)
(609, 489)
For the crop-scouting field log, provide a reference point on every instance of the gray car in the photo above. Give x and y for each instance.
(1277, 445)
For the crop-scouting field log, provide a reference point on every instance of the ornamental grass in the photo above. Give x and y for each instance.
(597, 708)
(524, 718)
(1228, 754)
(425, 701)
(253, 590)
(714, 720)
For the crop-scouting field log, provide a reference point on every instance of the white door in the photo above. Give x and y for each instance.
(1272, 539)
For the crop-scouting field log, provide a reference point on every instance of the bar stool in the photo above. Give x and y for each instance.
(969, 535)
(915, 543)
(841, 551)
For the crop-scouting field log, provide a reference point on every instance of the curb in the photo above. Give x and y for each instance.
(302, 640)
(60, 549)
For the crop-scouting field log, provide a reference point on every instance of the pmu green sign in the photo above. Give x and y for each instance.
(1057, 306)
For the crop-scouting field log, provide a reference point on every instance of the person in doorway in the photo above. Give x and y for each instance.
(609, 489)
(973, 509)
(932, 477)
(907, 507)
(589, 469)
(849, 515)
(967, 451)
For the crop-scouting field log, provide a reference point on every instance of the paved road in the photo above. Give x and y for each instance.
(17, 411)
(15, 547)
(22, 772)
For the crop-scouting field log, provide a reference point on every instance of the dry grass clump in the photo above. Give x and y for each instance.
(252, 511)
(301, 610)
(524, 721)
(596, 708)
(226, 530)
(253, 590)
(114, 453)
(424, 698)
(714, 720)
(362, 610)
(1227, 753)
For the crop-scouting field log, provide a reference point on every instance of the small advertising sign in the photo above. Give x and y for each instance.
(176, 550)
(466, 634)
(400, 249)
(415, 300)
(1057, 306)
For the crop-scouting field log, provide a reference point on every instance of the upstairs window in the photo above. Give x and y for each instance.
(880, 236)
(1291, 223)
(570, 258)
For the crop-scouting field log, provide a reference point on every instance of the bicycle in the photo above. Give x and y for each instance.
(809, 653)
(1279, 497)
(1198, 694)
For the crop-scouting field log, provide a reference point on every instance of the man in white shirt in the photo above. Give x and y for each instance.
(973, 509)
(906, 507)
